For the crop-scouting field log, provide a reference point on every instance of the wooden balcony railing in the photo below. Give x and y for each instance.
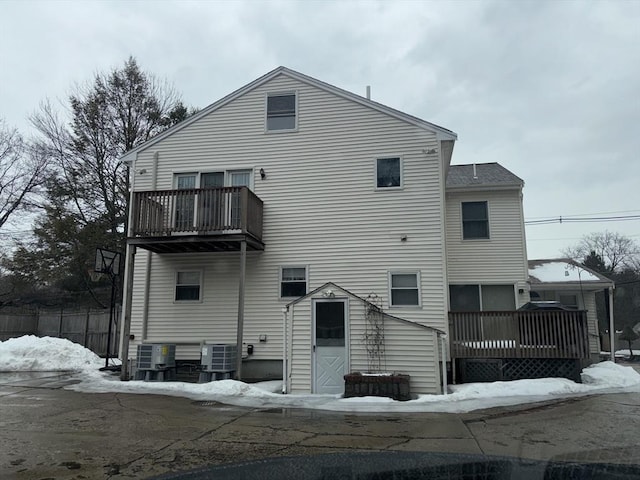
(206, 211)
(519, 334)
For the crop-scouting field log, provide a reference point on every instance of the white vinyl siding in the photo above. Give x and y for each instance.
(502, 259)
(319, 210)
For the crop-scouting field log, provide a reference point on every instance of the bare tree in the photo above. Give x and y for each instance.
(21, 171)
(617, 251)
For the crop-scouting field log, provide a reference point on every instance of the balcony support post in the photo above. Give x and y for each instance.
(240, 350)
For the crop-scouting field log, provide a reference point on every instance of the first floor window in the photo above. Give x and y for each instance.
(293, 282)
(388, 172)
(476, 298)
(188, 286)
(405, 289)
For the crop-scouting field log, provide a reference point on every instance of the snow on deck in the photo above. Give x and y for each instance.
(32, 353)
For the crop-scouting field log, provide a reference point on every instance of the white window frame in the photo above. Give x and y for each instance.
(475, 239)
(227, 175)
(306, 276)
(266, 113)
(200, 273)
(375, 173)
(391, 273)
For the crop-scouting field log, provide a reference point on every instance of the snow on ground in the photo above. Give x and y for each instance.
(625, 353)
(31, 353)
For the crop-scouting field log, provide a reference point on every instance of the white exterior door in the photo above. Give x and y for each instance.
(329, 345)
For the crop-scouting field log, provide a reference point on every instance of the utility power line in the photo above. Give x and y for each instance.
(576, 219)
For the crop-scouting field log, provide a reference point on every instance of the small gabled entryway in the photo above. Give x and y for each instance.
(330, 358)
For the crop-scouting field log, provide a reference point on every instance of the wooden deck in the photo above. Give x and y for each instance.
(192, 220)
(519, 334)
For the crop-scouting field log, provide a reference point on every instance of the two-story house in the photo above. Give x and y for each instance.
(285, 216)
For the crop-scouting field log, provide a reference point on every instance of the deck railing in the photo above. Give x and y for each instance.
(199, 211)
(519, 334)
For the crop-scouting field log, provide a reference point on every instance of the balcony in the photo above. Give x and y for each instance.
(196, 220)
(519, 334)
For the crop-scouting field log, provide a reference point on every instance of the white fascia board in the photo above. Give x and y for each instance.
(483, 188)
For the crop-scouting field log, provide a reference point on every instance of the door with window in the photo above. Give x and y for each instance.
(236, 178)
(185, 202)
(329, 345)
(211, 202)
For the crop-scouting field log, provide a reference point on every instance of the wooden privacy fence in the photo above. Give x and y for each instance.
(88, 327)
(519, 334)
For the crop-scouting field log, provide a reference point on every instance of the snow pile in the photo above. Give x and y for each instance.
(609, 375)
(31, 353)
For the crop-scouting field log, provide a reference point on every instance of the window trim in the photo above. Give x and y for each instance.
(200, 273)
(306, 277)
(488, 220)
(390, 275)
(266, 113)
(375, 173)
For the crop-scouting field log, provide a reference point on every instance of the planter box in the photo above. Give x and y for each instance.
(394, 386)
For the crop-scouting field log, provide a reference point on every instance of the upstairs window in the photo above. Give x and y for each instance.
(388, 172)
(281, 112)
(405, 290)
(475, 220)
(293, 282)
(188, 286)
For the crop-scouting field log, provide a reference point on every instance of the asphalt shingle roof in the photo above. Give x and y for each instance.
(487, 174)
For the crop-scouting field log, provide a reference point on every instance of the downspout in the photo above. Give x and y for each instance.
(443, 340)
(147, 271)
(285, 350)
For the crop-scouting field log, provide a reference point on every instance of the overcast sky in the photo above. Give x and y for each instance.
(551, 90)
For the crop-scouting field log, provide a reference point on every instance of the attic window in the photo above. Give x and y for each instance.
(388, 172)
(281, 112)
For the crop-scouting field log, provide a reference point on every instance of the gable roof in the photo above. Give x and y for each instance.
(366, 302)
(486, 175)
(565, 272)
(443, 133)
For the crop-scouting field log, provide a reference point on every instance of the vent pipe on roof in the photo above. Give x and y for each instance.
(475, 173)
(368, 92)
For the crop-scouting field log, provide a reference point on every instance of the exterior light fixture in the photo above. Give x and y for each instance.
(263, 174)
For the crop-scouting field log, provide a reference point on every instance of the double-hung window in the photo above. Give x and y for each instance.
(281, 111)
(188, 286)
(388, 172)
(475, 220)
(293, 282)
(404, 289)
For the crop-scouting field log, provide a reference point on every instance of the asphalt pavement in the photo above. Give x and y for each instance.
(47, 432)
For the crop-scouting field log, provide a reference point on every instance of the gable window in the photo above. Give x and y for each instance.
(281, 112)
(405, 290)
(188, 285)
(475, 220)
(293, 282)
(485, 298)
(388, 172)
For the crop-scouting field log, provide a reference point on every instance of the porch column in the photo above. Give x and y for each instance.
(126, 324)
(243, 264)
(612, 328)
